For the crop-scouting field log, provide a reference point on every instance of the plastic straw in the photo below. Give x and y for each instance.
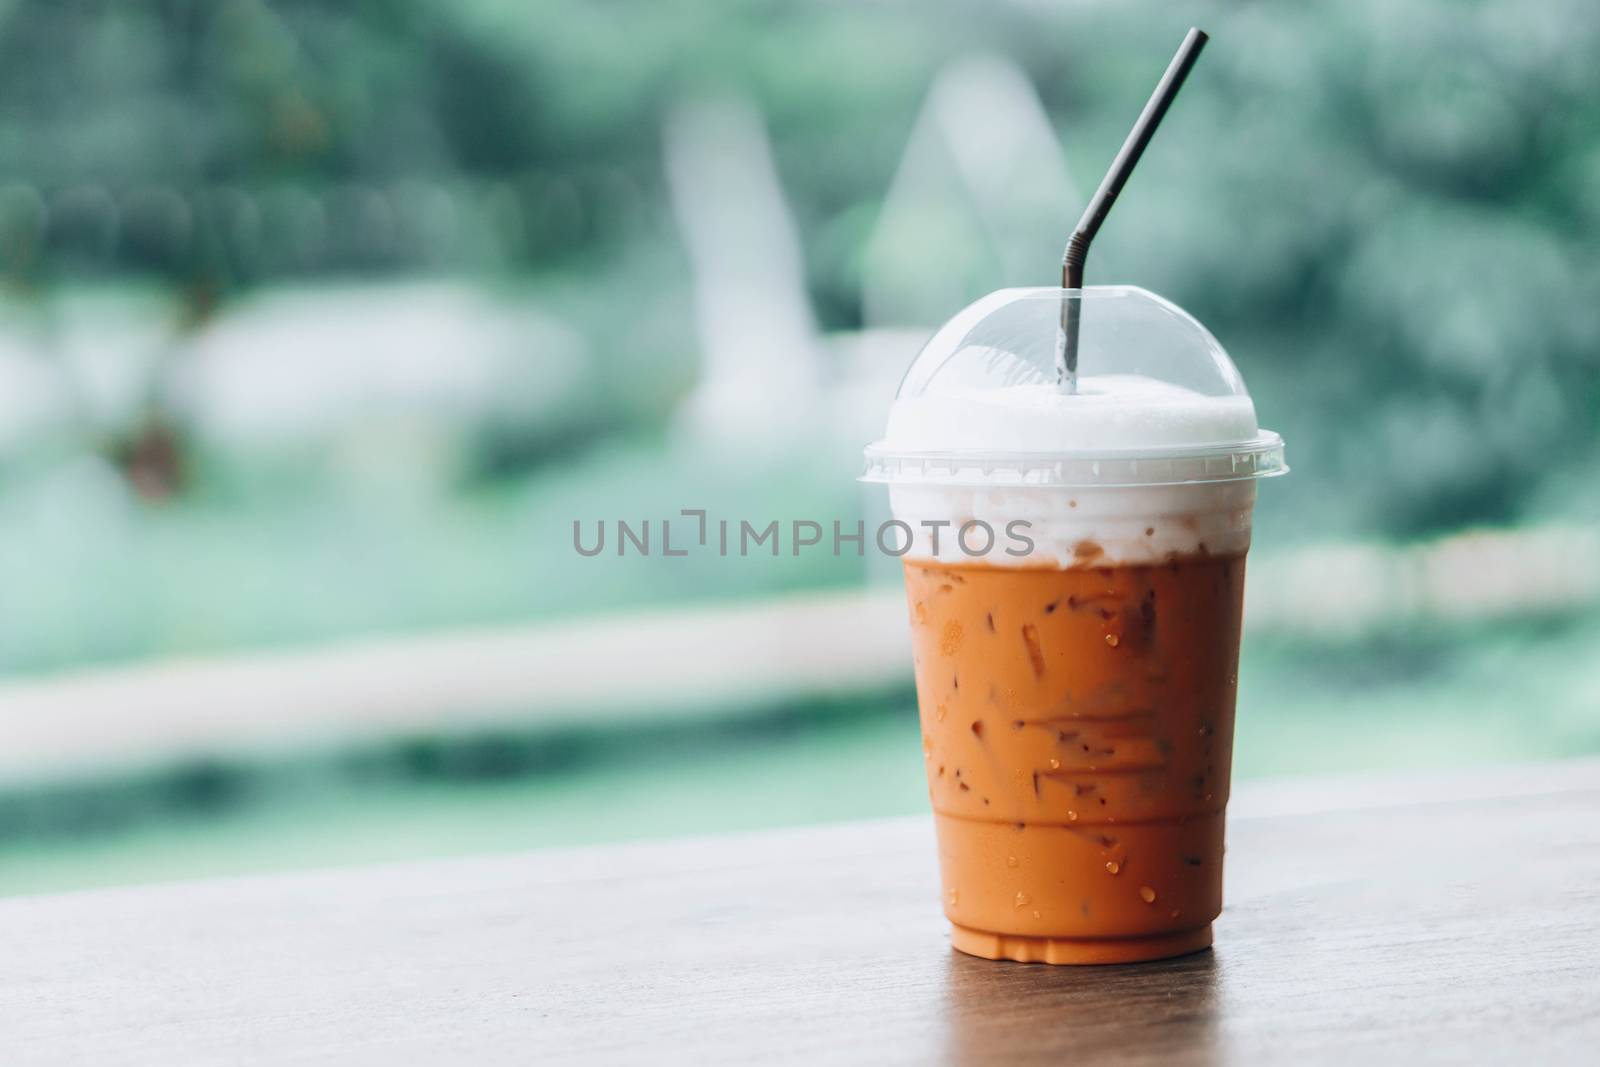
(1100, 204)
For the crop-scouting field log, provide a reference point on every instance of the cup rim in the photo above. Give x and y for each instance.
(1259, 457)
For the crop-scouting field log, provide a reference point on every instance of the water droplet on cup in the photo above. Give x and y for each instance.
(1011, 861)
(1112, 866)
(1147, 894)
(1113, 640)
(1022, 898)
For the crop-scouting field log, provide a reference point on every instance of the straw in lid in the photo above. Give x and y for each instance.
(1157, 400)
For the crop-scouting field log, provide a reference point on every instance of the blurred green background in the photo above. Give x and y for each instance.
(320, 323)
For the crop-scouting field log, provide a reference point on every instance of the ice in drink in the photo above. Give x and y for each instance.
(1076, 692)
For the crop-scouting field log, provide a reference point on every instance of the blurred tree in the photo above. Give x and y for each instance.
(1385, 210)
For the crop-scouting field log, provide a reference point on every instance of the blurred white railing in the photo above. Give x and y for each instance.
(1467, 577)
(708, 661)
(684, 663)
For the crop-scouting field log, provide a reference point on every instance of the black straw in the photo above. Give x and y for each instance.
(1110, 187)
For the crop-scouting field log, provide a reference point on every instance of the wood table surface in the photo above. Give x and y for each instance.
(1441, 919)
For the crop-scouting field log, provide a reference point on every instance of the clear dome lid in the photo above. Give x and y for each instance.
(1157, 400)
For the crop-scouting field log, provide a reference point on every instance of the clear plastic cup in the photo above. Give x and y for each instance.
(1076, 677)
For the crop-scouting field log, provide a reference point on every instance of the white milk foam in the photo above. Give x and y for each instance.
(1088, 526)
(1108, 412)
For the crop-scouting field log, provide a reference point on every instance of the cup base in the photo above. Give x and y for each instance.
(1078, 951)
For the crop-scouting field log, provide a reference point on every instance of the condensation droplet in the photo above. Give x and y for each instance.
(953, 896)
(1036, 913)
(940, 713)
(1022, 898)
(1113, 640)
(1055, 765)
(1147, 894)
(1112, 866)
(1011, 861)
(1072, 816)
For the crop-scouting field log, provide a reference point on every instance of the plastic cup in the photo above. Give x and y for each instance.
(1076, 678)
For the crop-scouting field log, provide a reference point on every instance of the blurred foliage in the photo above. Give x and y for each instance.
(1384, 210)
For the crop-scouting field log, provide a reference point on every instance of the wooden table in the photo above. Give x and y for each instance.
(1387, 921)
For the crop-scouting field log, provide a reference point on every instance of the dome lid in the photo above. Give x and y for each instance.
(1157, 402)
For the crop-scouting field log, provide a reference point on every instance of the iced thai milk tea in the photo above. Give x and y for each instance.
(1077, 725)
(1077, 657)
